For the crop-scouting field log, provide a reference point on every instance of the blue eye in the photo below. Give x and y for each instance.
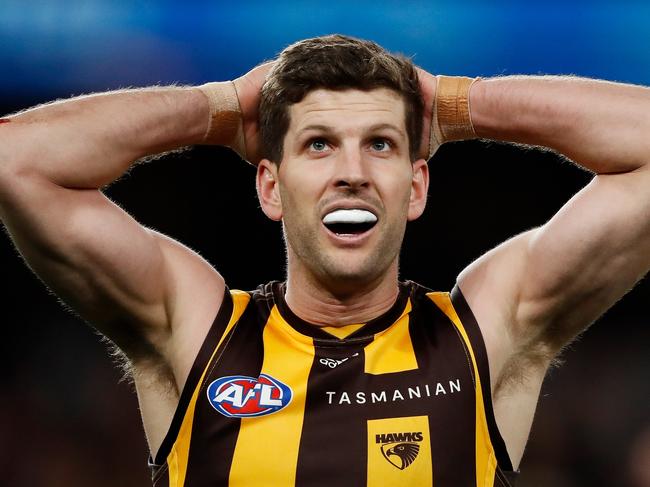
(318, 145)
(380, 145)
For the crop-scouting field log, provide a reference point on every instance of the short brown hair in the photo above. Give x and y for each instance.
(335, 62)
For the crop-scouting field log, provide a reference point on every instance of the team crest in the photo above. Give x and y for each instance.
(239, 396)
(400, 449)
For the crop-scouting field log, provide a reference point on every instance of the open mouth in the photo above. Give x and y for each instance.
(352, 221)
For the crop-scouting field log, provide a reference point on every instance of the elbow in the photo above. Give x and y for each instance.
(17, 178)
(14, 158)
(12, 173)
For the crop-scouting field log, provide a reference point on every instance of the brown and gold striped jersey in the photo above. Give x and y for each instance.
(271, 400)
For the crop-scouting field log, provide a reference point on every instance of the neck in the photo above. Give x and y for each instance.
(323, 305)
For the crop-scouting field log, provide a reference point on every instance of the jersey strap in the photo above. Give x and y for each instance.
(474, 333)
(233, 305)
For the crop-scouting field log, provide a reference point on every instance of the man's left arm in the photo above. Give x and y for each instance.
(543, 287)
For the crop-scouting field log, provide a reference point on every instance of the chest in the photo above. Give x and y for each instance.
(398, 405)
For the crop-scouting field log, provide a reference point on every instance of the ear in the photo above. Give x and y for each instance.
(268, 190)
(419, 189)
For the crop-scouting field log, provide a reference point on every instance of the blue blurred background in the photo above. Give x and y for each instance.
(54, 47)
(67, 420)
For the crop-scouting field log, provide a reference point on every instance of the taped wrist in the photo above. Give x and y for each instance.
(225, 126)
(451, 114)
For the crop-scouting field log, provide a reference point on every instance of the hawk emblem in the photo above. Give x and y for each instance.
(401, 455)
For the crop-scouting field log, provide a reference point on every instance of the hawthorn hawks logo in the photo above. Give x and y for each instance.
(400, 449)
(239, 396)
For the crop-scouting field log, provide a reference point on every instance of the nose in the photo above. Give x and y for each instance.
(351, 169)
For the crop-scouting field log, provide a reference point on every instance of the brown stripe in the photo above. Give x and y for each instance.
(505, 479)
(438, 349)
(333, 442)
(474, 332)
(214, 436)
(160, 476)
(200, 362)
(272, 443)
(334, 446)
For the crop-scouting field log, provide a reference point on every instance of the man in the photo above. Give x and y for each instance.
(341, 375)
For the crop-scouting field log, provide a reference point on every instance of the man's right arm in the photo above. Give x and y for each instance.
(117, 274)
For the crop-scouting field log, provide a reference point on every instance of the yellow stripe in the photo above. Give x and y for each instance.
(270, 443)
(178, 456)
(342, 331)
(392, 349)
(485, 458)
(386, 469)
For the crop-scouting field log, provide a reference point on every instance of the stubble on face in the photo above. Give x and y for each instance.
(304, 248)
(311, 184)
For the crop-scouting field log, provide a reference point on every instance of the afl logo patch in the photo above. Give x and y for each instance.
(239, 396)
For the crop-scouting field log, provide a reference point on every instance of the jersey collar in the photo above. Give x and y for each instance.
(364, 334)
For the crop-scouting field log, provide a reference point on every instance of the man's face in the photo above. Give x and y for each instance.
(345, 187)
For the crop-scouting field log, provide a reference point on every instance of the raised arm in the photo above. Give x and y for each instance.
(601, 125)
(129, 281)
(559, 278)
(535, 292)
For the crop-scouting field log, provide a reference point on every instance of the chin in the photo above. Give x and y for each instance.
(346, 274)
(344, 269)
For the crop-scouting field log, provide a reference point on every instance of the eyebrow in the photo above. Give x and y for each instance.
(372, 128)
(386, 126)
(320, 128)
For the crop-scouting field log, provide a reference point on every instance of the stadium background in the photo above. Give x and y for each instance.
(66, 420)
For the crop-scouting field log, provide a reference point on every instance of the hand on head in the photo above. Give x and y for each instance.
(428, 83)
(248, 89)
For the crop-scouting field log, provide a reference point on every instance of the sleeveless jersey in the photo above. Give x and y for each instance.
(271, 400)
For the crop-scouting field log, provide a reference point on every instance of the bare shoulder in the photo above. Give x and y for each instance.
(196, 292)
(536, 292)
(195, 295)
(491, 285)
